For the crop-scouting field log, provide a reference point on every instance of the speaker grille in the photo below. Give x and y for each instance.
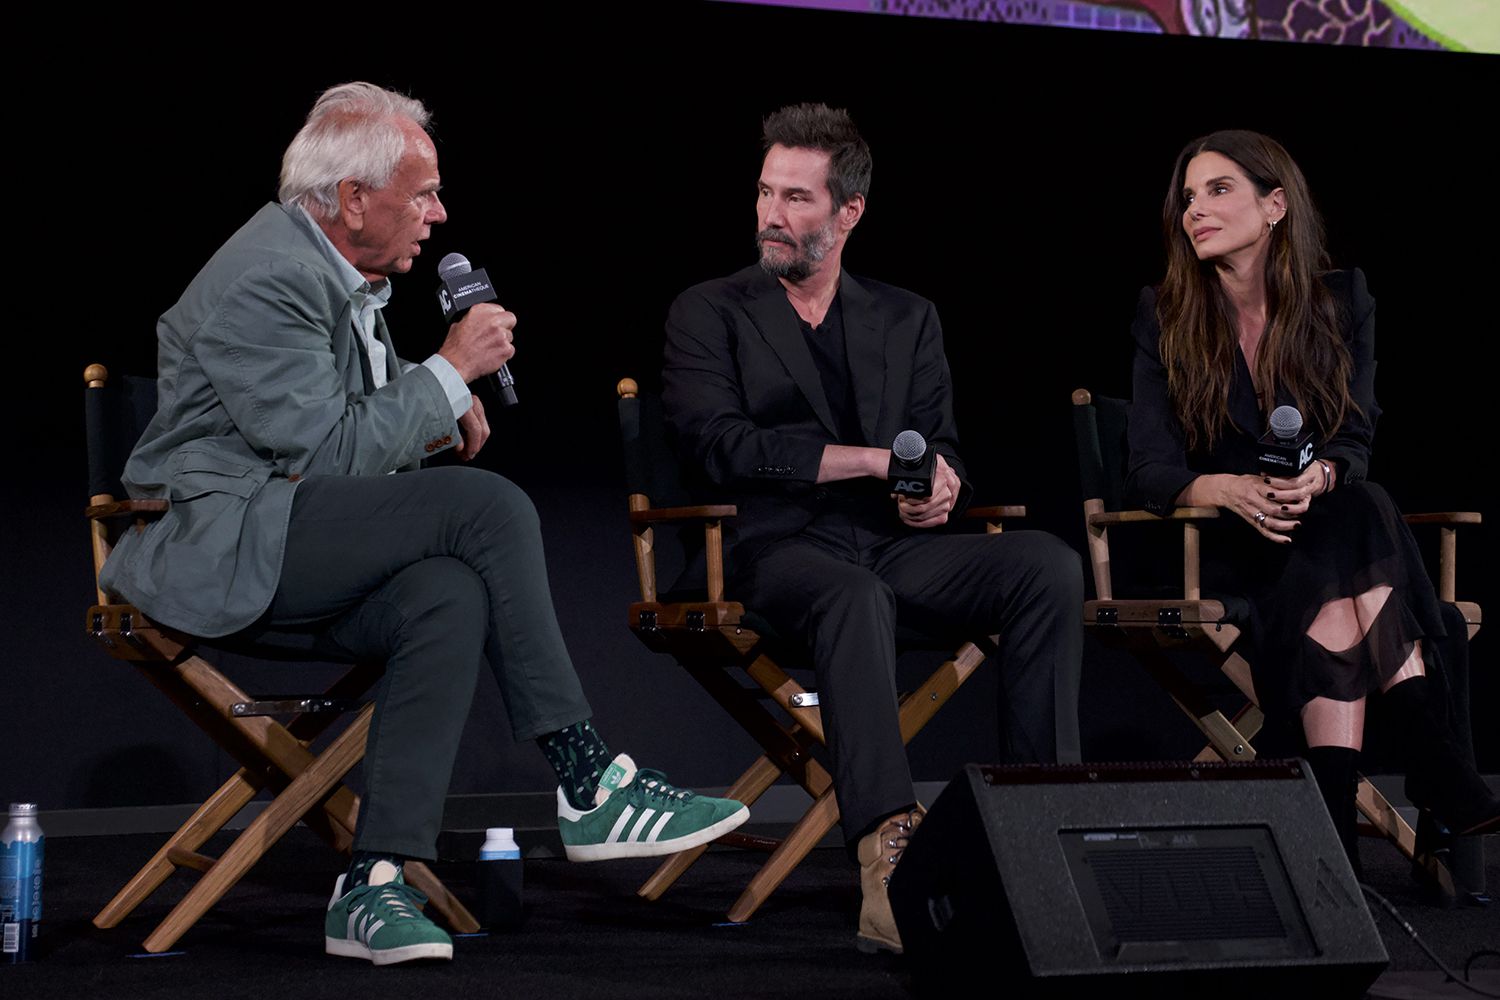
(1185, 894)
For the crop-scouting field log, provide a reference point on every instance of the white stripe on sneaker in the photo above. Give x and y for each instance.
(640, 824)
(656, 830)
(619, 827)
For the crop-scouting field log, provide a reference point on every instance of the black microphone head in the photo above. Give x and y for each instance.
(909, 446)
(453, 265)
(1286, 422)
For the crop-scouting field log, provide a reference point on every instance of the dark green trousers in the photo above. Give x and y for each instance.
(434, 572)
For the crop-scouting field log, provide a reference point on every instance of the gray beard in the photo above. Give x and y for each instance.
(797, 266)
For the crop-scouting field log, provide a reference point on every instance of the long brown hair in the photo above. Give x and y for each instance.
(1301, 348)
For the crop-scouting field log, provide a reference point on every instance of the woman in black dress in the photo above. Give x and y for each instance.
(1248, 318)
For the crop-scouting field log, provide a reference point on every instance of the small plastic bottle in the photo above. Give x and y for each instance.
(20, 883)
(500, 879)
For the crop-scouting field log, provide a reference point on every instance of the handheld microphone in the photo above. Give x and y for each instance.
(463, 286)
(912, 467)
(1284, 450)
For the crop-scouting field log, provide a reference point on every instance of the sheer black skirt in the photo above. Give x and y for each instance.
(1350, 541)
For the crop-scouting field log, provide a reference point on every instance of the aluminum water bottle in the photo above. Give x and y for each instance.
(20, 883)
(500, 879)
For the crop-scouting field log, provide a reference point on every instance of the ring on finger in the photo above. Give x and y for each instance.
(1260, 518)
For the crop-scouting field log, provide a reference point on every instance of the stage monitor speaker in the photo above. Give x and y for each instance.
(1116, 880)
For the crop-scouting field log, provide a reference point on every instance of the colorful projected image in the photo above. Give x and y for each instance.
(1458, 25)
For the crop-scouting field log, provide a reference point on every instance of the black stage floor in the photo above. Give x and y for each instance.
(586, 934)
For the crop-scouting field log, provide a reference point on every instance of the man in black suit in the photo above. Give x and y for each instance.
(787, 383)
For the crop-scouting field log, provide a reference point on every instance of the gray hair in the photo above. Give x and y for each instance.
(352, 131)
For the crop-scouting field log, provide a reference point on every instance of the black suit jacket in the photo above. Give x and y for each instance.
(745, 403)
(1160, 465)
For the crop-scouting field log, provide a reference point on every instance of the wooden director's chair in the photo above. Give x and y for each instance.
(707, 634)
(306, 786)
(1148, 628)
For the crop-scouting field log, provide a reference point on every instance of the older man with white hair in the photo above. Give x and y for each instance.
(282, 411)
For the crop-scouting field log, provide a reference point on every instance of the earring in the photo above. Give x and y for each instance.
(1271, 226)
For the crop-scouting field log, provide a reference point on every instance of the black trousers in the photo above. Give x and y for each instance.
(840, 588)
(434, 572)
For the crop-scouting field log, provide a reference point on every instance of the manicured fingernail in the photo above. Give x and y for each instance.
(1267, 480)
(1285, 508)
(1270, 496)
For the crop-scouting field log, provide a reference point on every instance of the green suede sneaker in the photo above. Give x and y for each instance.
(382, 921)
(638, 814)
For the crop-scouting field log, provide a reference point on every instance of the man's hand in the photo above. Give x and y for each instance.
(473, 430)
(480, 343)
(931, 511)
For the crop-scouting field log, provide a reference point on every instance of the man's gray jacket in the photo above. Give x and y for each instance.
(263, 380)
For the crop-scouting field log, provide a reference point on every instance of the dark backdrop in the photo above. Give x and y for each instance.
(598, 164)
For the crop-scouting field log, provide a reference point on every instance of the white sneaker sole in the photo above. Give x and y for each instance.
(345, 948)
(643, 849)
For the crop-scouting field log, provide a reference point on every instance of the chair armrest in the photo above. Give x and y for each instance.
(667, 515)
(1108, 517)
(126, 508)
(642, 520)
(992, 516)
(1450, 517)
(1447, 522)
(995, 513)
(1097, 521)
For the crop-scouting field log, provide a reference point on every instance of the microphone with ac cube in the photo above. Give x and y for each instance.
(913, 466)
(1284, 451)
(463, 286)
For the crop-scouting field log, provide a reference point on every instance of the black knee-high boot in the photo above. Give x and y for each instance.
(1440, 774)
(1336, 771)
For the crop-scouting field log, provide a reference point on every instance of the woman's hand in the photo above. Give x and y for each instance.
(1294, 496)
(1256, 500)
(1250, 498)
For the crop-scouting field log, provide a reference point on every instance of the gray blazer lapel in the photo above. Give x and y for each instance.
(865, 342)
(392, 363)
(776, 320)
(345, 324)
(392, 366)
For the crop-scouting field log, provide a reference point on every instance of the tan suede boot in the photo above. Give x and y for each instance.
(879, 853)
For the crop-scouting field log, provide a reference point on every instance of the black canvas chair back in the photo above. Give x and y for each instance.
(115, 416)
(651, 465)
(1100, 427)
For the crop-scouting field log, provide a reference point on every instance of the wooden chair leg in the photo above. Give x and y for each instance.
(750, 786)
(786, 753)
(1247, 722)
(1227, 740)
(1384, 818)
(265, 830)
(920, 705)
(209, 818)
(273, 755)
(811, 828)
(1390, 824)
